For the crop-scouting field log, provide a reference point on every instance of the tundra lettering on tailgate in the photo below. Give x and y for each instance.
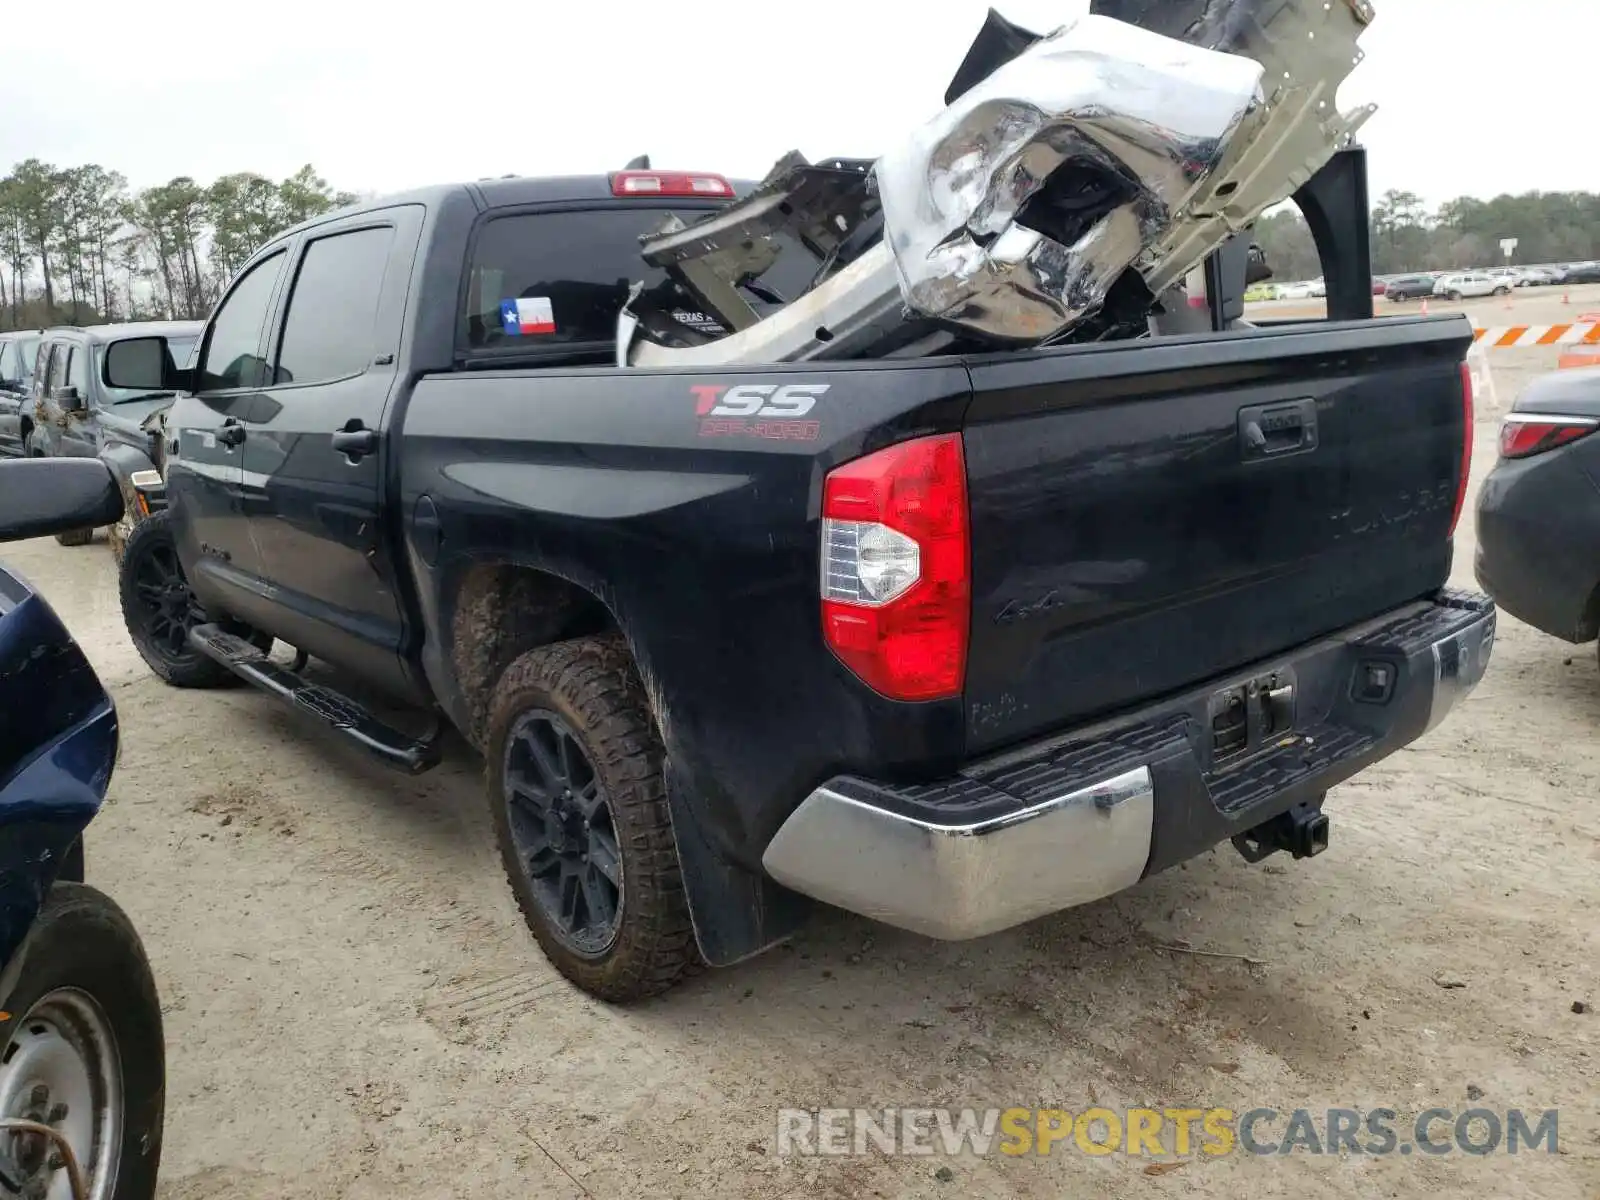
(763, 410)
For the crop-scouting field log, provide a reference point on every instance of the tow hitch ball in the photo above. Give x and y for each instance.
(1302, 831)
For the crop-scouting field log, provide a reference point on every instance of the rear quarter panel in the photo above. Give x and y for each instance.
(699, 533)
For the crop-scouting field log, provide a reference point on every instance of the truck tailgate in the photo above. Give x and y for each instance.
(1150, 515)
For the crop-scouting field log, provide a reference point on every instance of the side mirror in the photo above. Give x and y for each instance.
(68, 398)
(44, 496)
(144, 364)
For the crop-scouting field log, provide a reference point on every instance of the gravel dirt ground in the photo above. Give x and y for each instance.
(354, 1009)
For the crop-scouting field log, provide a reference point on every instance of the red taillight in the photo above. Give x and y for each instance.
(896, 568)
(1466, 446)
(1523, 435)
(670, 183)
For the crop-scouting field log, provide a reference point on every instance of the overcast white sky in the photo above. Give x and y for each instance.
(1474, 97)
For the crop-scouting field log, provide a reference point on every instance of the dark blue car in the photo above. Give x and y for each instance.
(82, 1059)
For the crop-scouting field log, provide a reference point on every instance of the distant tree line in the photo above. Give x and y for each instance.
(78, 246)
(1550, 227)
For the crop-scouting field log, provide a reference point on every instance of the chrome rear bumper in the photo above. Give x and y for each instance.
(1077, 820)
(963, 881)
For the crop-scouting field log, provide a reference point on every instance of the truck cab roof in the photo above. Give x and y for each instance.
(520, 191)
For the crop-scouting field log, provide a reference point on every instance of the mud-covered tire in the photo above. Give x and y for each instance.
(82, 946)
(591, 687)
(183, 667)
(78, 537)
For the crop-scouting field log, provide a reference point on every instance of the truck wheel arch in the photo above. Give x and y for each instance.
(124, 460)
(492, 613)
(499, 611)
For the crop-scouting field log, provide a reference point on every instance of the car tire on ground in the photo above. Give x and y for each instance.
(78, 537)
(82, 1049)
(1502, 291)
(159, 609)
(579, 805)
(1453, 295)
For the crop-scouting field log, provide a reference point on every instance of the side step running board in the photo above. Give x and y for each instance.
(388, 744)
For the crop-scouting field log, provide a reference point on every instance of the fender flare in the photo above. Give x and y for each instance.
(125, 461)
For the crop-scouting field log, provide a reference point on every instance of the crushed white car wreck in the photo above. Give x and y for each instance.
(1071, 180)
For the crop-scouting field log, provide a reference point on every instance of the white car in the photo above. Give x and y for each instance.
(1465, 284)
(1313, 289)
(1536, 277)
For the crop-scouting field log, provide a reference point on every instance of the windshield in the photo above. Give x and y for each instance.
(182, 350)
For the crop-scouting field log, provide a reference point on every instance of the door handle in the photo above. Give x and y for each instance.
(1267, 430)
(231, 433)
(355, 440)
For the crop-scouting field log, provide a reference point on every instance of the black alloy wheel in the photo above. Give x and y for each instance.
(564, 831)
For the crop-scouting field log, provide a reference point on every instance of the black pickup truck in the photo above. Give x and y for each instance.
(952, 642)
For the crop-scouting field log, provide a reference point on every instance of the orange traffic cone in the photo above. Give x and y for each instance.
(1424, 306)
(1566, 297)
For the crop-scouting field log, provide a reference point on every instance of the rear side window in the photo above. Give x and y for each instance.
(10, 362)
(333, 309)
(561, 278)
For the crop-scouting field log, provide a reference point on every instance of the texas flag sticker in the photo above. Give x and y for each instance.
(527, 315)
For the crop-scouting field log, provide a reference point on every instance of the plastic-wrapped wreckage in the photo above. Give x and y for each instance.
(1070, 186)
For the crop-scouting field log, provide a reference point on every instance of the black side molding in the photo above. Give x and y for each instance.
(389, 745)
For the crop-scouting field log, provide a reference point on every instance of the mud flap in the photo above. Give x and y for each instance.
(736, 913)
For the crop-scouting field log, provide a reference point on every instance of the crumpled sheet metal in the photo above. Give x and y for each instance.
(1152, 114)
(1307, 48)
(1203, 138)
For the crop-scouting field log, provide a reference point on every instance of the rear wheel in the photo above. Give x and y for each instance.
(1453, 295)
(78, 537)
(579, 806)
(160, 609)
(1502, 291)
(83, 1051)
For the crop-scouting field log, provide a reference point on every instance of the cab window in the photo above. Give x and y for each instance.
(57, 375)
(232, 355)
(561, 278)
(78, 370)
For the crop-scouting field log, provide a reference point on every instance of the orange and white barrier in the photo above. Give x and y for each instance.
(1573, 333)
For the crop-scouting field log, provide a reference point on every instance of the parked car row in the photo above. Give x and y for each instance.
(54, 403)
(1418, 285)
